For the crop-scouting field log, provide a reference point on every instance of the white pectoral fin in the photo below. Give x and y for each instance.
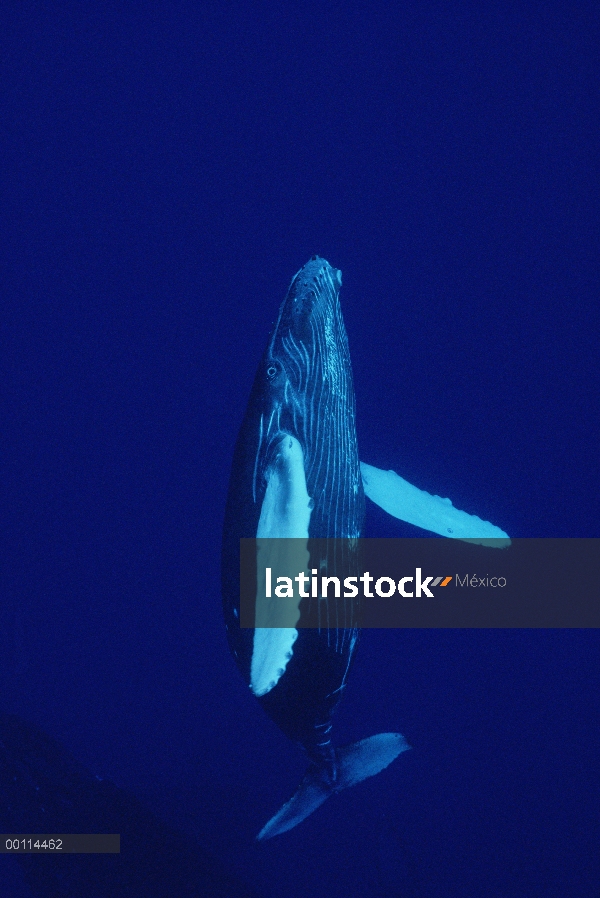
(272, 649)
(281, 543)
(408, 503)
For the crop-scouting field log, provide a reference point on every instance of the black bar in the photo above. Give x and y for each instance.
(62, 843)
(533, 583)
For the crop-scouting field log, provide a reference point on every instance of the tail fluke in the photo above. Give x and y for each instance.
(355, 763)
(311, 794)
(359, 761)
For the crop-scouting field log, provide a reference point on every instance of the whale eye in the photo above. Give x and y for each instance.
(271, 371)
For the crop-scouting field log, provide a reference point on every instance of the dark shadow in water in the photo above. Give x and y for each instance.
(43, 789)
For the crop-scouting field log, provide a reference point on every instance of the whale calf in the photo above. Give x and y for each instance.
(296, 473)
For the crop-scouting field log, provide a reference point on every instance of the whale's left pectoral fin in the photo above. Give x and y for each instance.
(408, 503)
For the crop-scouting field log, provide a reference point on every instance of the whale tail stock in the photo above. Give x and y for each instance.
(354, 763)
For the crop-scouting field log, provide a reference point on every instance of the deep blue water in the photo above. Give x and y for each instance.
(166, 170)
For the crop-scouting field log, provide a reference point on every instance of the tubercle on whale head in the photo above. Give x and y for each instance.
(310, 323)
(305, 369)
(319, 274)
(324, 264)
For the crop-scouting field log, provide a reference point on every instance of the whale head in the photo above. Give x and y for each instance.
(305, 387)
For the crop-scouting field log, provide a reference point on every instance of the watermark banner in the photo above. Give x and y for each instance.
(449, 583)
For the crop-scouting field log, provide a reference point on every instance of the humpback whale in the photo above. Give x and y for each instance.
(296, 473)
